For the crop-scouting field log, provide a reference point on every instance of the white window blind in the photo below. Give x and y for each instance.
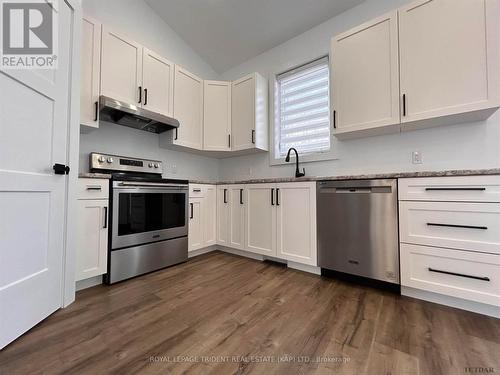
(303, 109)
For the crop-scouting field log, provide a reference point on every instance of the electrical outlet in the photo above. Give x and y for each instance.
(173, 169)
(416, 157)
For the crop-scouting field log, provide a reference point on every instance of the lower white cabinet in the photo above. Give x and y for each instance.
(92, 230)
(202, 216)
(275, 220)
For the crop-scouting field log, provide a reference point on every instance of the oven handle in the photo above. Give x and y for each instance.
(151, 184)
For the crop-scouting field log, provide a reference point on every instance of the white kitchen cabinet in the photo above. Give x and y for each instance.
(449, 61)
(261, 219)
(195, 237)
(92, 228)
(90, 72)
(296, 222)
(223, 215)
(217, 116)
(202, 216)
(249, 114)
(121, 67)
(158, 83)
(365, 78)
(237, 216)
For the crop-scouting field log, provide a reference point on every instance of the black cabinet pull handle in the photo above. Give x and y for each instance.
(96, 104)
(197, 190)
(457, 226)
(140, 94)
(277, 197)
(176, 134)
(60, 169)
(229, 142)
(105, 218)
(225, 197)
(98, 188)
(334, 119)
(145, 96)
(272, 197)
(404, 104)
(191, 215)
(459, 274)
(253, 136)
(241, 196)
(455, 189)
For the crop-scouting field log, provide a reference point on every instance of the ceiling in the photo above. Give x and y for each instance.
(226, 33)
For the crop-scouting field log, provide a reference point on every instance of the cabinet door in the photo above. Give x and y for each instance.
(296, 222)
(195, 236)
(365, 77)
(261, 219)
(217, 116)
(223, 215)
(237, 217)
(158, 83)
(92, 238)
(210, 216)
(121, 69)
(243, 113)
(449, 57)
(188, 109)
(90, 71)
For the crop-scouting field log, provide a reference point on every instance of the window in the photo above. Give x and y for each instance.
(302, 109)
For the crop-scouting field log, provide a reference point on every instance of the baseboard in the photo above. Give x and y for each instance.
(205, 250)
(304, 267)
(242, 253)
(458, 303)
(88, 283)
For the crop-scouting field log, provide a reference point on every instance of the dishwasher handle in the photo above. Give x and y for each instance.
(356, 190)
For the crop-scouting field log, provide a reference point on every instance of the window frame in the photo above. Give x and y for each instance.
(274, 123)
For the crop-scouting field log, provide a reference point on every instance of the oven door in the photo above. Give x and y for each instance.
(147, 212)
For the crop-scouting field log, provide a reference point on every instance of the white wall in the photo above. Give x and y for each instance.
(138, 21)
(451, 147)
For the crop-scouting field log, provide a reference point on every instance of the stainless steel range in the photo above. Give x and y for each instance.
(148, 216)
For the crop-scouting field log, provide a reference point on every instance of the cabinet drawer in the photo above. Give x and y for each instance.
(93, 188)
(457, 189)
(456, 273)
(466, 226)
(196, 191)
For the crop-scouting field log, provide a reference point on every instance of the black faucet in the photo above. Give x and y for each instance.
(297, 172)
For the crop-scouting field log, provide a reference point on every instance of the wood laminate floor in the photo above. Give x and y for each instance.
(224, 314)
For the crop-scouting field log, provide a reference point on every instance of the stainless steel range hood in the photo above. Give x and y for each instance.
(132, 116)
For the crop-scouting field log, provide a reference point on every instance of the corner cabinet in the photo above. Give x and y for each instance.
(90, 73)
(249, 113)
(92, 228)
(202, 216)
(217, 116)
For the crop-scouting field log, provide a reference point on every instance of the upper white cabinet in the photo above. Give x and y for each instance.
(158, 83)
(365, 78)
(249, 113)
(217, 116)
(121, 67)
(449, 59)
(90, 72)
(188, 109)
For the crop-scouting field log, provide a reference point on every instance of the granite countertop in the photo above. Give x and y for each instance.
(94, 175)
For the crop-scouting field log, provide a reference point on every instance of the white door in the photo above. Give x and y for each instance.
(90, 72)
(210, 216)
(243, 113)
(449, 57)
(92, 238)
(33, 136)
(188, 109)
(365, 76)
(237, 217)
(223, 213)
(217, 116)
(158, 83)
(296, 222)
(121, 67)
(261, 219)
(195, 237)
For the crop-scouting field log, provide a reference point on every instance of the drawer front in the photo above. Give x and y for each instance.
(456, 273)
(451, 189)
(196, 191)
(93, 188)
(466, 226)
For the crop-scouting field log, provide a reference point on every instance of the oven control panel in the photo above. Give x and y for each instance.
(107, 162)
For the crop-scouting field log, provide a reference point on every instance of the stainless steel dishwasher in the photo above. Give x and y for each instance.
(358, 228)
